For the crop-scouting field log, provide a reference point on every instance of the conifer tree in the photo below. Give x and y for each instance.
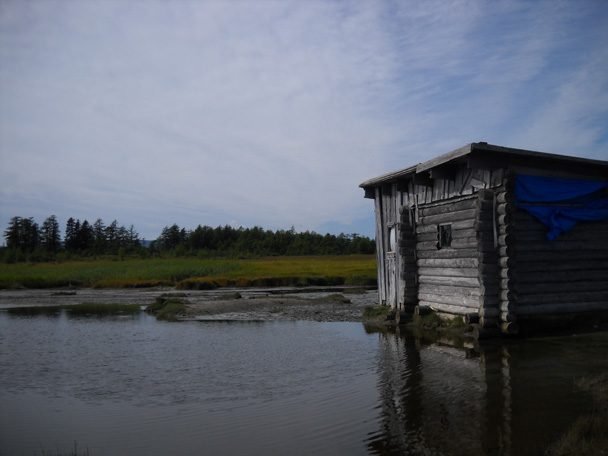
(50, 238)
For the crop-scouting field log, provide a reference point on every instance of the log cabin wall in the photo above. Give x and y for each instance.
(448, 268)
(499, 267)
(407, 253)
(387, 203)
(566, 275)
(539, 277)
(461, 278)
(406, 239)
(505, 240)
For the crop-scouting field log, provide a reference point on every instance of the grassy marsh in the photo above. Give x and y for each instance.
(191, 273)
(587, 435)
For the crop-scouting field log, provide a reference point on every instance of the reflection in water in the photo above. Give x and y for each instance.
(499, 398)
(133, 385)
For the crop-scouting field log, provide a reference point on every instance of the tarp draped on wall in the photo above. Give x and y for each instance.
(561, 203)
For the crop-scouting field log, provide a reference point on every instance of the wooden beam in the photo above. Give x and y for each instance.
(423, 179)
(445, 158)
(443, 172)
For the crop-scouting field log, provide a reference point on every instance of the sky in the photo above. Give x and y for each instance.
(271, 113)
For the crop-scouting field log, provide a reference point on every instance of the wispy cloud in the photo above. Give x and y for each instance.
(271, 113)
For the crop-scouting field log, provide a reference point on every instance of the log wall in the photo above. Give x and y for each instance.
(448, 276)
(566, 275)
(407, 252)
(500, 267)
(398, 274)
(487, 238)
(505, 241)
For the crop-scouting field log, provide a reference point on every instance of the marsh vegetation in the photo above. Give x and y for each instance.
(193, 273)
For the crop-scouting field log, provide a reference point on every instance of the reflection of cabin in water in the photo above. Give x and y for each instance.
(462, 234)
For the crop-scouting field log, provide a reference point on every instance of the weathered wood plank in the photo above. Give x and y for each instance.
(454, 272)
(573, 277)
(447, 253)
(465, 301)
(525, 222)
(507, 273)
(544, 257)
(456, 234)
(484, 205)
(508, 306)
(508, 284)
(458, 225)
(488, 322)
(489, 279)
(580, 235)
(548, 298)
(445, 308)
(508, 316)
(561, 287)
(507, 229)
(464, 243)
(487, 269)
(449, 281)
(488, 312)
(508, 327)
(508, 295)
(483, 225)
(448, 263)
(506, 219)
(506, 262)
(451, 217)
(380, 249)
(488, 301)
(505, 208)
(506, 240)
(485, 194)
(426, 288)
(575, 265)
(489, 289)
(505, 197)
(564, 307)
(506, 251)
(449, 207)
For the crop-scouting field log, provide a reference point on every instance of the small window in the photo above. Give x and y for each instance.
(444, 236)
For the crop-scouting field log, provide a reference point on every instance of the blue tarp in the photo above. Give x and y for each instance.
(561, 203)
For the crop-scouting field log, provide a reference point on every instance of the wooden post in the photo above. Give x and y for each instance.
(409, 271)
(488, 310)
(507, 240)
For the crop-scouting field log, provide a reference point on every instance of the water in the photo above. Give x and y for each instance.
(134, 386)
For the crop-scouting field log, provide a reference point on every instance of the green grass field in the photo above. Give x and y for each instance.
(189, 273)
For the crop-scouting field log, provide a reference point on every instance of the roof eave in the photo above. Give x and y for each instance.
(389, 177)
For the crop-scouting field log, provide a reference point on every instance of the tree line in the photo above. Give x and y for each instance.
(25, 240)
(259, 242)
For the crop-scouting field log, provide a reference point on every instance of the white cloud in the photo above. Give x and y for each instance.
(271, 113)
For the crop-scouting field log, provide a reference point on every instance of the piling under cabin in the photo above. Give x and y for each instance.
(500, 236)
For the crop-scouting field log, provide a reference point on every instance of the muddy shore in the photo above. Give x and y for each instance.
(274, 308)
(287, 304)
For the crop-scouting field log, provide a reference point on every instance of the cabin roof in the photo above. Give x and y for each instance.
(488, 156)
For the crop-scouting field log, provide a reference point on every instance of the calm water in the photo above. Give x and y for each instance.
(135, 386)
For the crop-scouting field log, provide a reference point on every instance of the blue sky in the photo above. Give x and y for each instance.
(271, 113)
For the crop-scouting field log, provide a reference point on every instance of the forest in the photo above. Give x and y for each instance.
(26, 240)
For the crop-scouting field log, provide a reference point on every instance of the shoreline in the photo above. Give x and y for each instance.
(324, 304)
(275, 308)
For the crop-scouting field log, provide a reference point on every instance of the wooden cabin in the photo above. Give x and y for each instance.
(494, 234)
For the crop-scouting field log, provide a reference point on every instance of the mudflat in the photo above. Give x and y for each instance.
(288, 304)
(275, 308)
